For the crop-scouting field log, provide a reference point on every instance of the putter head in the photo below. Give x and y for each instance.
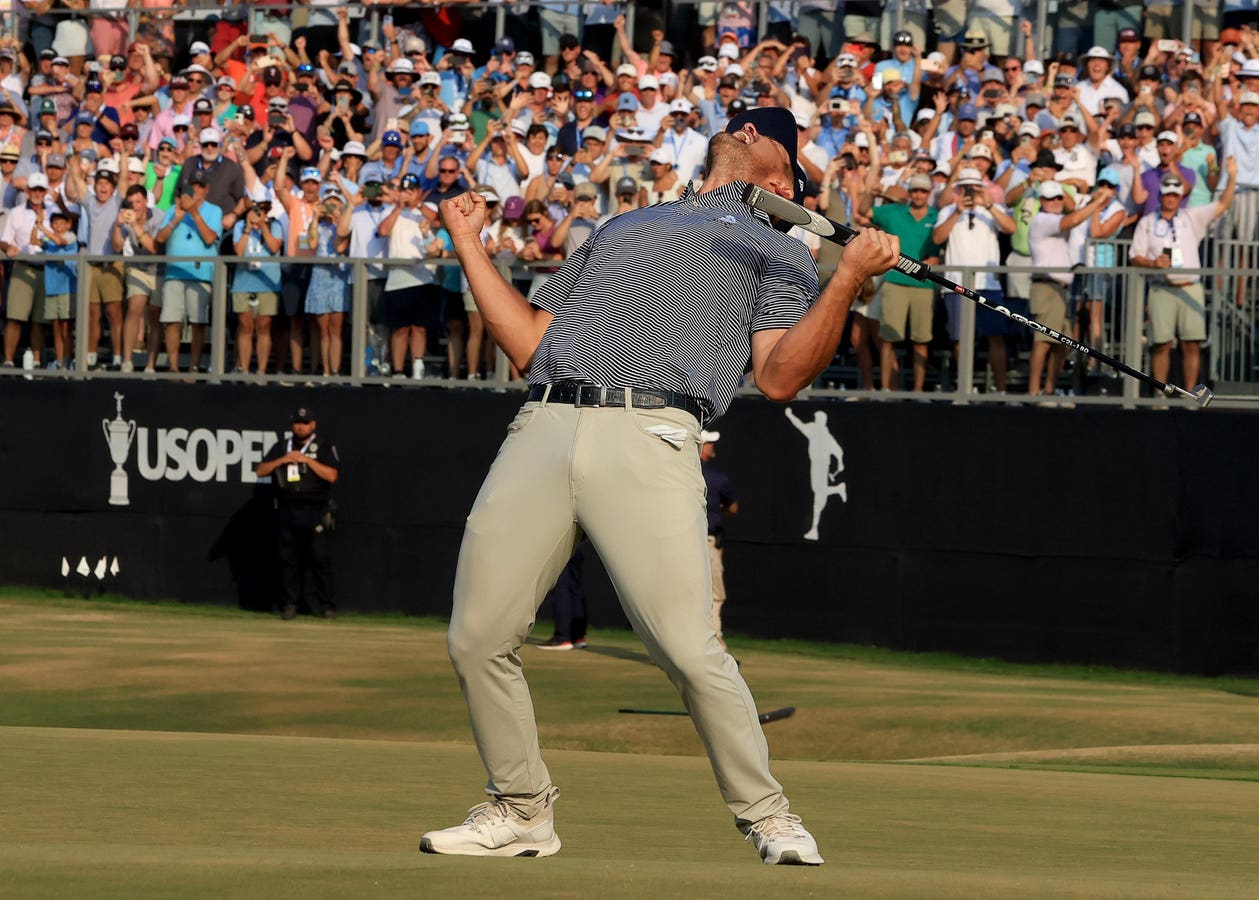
(1202, 395)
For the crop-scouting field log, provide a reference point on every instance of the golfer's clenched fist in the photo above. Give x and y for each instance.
(870, 253)
(464, 216)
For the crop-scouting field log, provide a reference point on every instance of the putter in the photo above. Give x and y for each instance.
(772, 716)
(782, 208)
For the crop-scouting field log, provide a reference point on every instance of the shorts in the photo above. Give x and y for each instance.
(452, 306)
(185, 301)
(104, 282)
(949, 17)
(296, 283)
(554, 24)
(56, 307)
(71, 39)
(1100, 287)
(992, 324)
(413, 307)
(1177, 312)
(706, 13)
(1000, 30)
(1049, 308)
(26, 293)
(469, 303)
(1163, 20)
(141, 281)
(1018, 284)
(903, 304)
(268, 303)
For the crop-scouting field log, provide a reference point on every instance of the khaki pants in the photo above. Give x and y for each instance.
(640, 500)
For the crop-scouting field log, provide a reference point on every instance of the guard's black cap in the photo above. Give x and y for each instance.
(780, 125)
(303, 414)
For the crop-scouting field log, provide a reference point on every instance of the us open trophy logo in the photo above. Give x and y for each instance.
(119, 433)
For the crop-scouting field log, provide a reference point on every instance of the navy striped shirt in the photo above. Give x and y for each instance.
(667, 298)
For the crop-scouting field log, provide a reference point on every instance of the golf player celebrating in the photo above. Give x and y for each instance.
(637, 341)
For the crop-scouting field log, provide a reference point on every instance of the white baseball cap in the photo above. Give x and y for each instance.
(681, 104)
(626, 69)
(539, 80)
(648, 81)
(709, 64)
(1247, 98)
(728, 51)
(968, 175)
(980, 151)
(198, 47)
(36, 180)
(402, 66)
(1167, 136)
(1033, 67)
(209, 135)
(135, 165)
(1029, 128)
(109, 165)
(462, 45)
(1097, 52)
(524, 58)
(354, 148)
(661, 155)
(1051, 189)
(1250, 69)
(431, 77)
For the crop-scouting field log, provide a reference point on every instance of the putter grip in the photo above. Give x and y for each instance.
(789, 211)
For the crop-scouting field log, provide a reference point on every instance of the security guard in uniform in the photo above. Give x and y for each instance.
(304, 469)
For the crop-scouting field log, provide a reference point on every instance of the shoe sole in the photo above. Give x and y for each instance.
(548, 848)
(792, 858)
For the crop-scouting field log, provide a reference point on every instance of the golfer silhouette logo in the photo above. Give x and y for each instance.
(826, 462)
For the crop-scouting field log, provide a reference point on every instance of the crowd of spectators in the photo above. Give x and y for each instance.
(331, 132)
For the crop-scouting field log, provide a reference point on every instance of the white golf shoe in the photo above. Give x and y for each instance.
(783, 841)
(494, 829)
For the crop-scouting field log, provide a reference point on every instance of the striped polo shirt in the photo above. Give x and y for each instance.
(667, 298)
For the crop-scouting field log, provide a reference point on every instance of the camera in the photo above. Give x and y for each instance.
(985, 135)
(634, 151)
(839, 105)
(992, 93)
(275, 118)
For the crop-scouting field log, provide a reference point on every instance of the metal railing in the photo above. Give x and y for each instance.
(1230, 346)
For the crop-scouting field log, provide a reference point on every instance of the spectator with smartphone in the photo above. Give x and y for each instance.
(501, 167)
(1168, 239)
(969, 229)
(193, 227)
(1047, 236)
(256, 284)
(134, 233)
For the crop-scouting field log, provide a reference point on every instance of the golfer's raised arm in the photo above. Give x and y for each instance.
(514, 324)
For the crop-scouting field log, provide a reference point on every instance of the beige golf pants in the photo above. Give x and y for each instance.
(640, 500)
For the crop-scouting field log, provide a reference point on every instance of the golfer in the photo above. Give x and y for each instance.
(632, 346)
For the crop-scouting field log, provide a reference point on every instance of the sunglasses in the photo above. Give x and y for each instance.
(43, 143)
(180, 128)
(448, 171)
(534, 220)
(196, 79)
(209, 143)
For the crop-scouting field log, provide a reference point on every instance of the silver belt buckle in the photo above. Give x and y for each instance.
(600, 397)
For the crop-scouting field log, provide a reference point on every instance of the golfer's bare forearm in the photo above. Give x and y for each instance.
(515, 325)
(805, 349)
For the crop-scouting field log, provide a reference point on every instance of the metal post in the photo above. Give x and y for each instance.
(1186, 24)
(1134, 307)
(82, 317)
(358, 320)
(218, 320)
(966, 346)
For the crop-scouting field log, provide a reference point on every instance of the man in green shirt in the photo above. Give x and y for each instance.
(908, 305)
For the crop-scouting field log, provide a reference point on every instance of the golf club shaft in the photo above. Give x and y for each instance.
(784, 209)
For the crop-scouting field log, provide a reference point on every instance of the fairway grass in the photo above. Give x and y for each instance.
(114, 814)
(165, 751)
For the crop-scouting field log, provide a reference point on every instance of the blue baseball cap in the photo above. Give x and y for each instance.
(1110, 175)
(419, 126)
(627, 103)
(391, 139)
(310, 173)
(372, 172)
(967, 111)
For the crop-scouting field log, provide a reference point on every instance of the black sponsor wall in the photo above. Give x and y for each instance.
(1120, 537)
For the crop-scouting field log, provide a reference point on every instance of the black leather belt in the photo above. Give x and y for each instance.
(581, 394)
